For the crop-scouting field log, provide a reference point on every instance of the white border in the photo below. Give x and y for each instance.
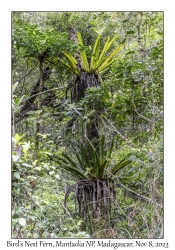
(5, 94)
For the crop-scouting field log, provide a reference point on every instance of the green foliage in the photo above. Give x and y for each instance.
(34, 40)
(16, 101)
(99, 62)
(92, 163)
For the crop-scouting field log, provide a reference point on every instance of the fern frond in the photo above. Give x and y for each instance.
(102, 152)
(83, 54)
(85, 156)
(71, 60)
(102, 169)
(111, 148)
(107, 62)
(95, 53)
(95, 158)
(120, 166)
(106, 47)
(73, 163)
(111, 42)
(104, 51)
(65, 166)
(72, 69)
(83, 166)
(101, 72)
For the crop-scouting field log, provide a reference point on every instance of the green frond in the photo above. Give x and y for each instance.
(73, 163)
(92, 150)
(83, 54)
(112, 41)
(102, 169)
(102, 152)
(105, 156)
(74, 171)
(119, 166)
(70, 68)
(97, 165)
(95, 53)
(104, 51)
(59, 160)
(106, 47)
(86, 159)
(71, 60)
(73, 174)
(111, 148)
(107, 62)
(65, 166)
(95, 158)
(82, 165)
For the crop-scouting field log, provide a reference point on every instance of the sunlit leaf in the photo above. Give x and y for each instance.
(26, 165)
(17, 175)
(22, 222)
(15, 158)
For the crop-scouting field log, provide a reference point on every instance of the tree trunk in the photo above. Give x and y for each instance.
(95, 198)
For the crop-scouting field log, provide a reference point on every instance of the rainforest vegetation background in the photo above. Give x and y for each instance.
(87, 124)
